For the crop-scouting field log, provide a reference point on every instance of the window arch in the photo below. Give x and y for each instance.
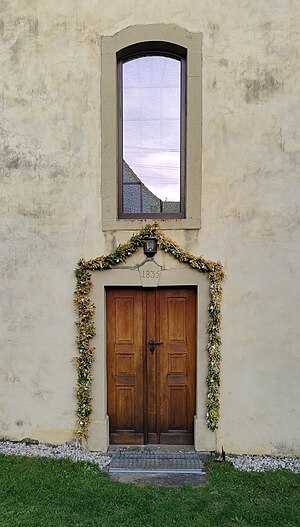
(151, 138)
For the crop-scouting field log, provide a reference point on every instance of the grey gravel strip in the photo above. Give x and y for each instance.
(71, 450)
(262, 463)
(74, 451)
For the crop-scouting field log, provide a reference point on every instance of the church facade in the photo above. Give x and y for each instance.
(170, 124)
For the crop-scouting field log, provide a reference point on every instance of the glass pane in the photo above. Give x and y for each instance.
(151, 133)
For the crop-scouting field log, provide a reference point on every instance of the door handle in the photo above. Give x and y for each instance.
(152, 343)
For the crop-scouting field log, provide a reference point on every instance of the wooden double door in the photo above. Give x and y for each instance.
(151, 355)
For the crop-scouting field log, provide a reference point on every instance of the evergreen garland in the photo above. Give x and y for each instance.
(86, 325)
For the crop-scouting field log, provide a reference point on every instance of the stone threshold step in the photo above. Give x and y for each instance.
(159, 471)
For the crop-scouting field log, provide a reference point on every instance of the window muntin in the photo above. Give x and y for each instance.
(152, 86)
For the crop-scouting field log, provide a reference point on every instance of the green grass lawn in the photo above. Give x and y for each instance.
(60, 493)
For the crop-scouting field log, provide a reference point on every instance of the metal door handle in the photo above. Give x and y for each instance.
(152, 343)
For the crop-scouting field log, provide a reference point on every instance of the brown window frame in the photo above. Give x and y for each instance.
(137, 50)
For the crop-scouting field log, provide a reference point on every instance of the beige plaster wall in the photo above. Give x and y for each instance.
(50, 214)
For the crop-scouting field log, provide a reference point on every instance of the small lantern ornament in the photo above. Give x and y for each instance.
(150, 246)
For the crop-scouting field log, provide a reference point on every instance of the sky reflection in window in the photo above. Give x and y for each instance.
(151, 123)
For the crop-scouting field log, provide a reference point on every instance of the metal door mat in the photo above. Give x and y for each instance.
(159, 462)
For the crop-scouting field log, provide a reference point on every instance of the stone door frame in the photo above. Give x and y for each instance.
(172, 274)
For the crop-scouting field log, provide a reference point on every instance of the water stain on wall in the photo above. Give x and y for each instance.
(28, 24)
(213, 30)
(15, 50)
(261, 87)
(110, 241)
(223, 62)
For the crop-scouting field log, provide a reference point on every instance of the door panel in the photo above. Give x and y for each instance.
(151, 396)
(125, 365)
(177, 365)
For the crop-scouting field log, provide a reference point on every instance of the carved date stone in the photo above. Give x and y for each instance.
(150, 274)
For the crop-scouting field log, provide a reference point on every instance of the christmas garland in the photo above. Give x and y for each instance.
(86, 325)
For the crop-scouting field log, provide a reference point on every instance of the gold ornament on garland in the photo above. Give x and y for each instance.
(86, 325)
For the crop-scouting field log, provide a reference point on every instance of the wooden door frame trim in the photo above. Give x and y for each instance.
(173, 274)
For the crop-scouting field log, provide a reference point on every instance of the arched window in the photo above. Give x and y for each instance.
(151, 118)
(152, 130)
